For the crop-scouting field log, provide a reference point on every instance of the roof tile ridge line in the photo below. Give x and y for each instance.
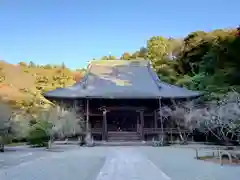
(149, 67)
(86, 76)
(128, 64)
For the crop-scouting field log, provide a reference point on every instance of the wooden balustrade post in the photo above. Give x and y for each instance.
(171, 136)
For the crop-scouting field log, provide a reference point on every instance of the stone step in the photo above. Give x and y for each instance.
(137, 136)
(123, 139)
(122, 143)
(123, 136)
(115, 138)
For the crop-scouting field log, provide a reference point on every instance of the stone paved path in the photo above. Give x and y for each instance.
(128, 164)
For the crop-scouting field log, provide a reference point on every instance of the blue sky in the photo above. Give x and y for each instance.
(75, 31)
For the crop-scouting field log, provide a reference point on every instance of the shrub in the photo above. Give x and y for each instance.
(5, 123)
(38, 135)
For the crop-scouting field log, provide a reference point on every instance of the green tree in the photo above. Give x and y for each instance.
(63, 66)
(23, 64)
(157, 48)
(31, 64)
(126, 56)
(142, 52)
(5, 123)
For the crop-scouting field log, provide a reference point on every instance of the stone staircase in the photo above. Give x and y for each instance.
(122, 143)
(123, 136)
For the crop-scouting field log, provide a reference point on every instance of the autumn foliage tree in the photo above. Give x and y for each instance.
(125, 56)
(5, 123)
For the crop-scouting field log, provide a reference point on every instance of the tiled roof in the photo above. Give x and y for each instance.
(121, 79)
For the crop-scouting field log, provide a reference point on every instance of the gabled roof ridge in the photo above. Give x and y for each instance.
(150, 71)
(85, 77)
(110, 63)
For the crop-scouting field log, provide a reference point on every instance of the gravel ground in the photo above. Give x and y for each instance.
(81, 163)
(111, 163)
(14, 156)
(179, 164)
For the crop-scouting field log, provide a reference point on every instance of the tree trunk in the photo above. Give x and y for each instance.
(49, 144)
(180, 134)
(80, 141)
(88, 139)
(66, 141)
(224, 137)
(216, 135)
(161, 139)
(1, 144)
(2, 147)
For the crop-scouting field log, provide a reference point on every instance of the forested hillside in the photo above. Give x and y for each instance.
(22, 85)
(204, 61)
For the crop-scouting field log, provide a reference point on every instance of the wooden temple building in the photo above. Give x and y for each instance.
(121, 100)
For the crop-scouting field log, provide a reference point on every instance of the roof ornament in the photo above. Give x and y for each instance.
(150, 65)
(115, 71)
(85, 79)
(84, 82)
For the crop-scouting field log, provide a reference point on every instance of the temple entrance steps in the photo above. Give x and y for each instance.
(123, 136)
(122, 143)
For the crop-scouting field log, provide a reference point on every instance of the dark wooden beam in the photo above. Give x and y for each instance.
(104, 129)
(93, 114)
(131, 108)
(141, 125)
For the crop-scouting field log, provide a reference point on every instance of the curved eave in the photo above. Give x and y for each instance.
(166, 91)
(67, 93)
(57, 93)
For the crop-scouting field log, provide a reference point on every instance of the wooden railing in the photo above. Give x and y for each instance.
(127, 129)
(145, 130)
(165, 130)
(97, 130)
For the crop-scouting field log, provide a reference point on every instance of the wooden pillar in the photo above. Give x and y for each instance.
(138, 125)
(206, 137)
(87, 116)
(61, 107)
(160, 109)
(75, 105)
(104, 129)
(155, 120)
(171, 135)
(142, 125)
